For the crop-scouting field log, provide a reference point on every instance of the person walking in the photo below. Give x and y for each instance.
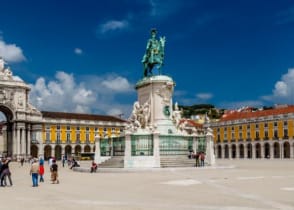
(34, 171)
(202, 158)
(5, 172)
(22, 161)
(41, 170)
(197, 159)
(63, 161)
(54, 172)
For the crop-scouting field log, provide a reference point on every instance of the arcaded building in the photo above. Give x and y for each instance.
(26, 131)
(71, 133)
(255, 134)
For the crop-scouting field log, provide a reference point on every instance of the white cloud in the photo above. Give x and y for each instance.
(204, 96)
(284, 89)
(114, 111)
(92, 94)
(11, 52)
(118, 84)
(113, 25)
(78, 51)
(62, 95)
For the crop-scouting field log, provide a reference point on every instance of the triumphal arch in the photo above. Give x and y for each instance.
(22, 119)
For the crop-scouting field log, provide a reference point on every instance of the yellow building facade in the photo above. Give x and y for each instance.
(68, 134)
(255, 134)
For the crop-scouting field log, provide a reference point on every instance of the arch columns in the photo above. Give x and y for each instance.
(223, 151)
(292, 148)
(272, 149)
(281, 149)
(237, 151)
(37, 138)
(261, 150)
(245, 151)
(229, 151)
(253, 150)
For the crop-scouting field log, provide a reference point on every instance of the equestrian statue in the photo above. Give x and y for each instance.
(154, 54)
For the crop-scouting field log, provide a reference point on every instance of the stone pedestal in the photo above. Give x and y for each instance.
(97, 150)
(210, 157)
(157, 91)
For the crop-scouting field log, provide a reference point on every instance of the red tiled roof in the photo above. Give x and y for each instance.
(78, 116)
(244, 115)
(192, 123)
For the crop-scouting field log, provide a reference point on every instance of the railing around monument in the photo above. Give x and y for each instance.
(201, 142)
(105, 147)
(142, 145)
(175, 145)
(118, 144)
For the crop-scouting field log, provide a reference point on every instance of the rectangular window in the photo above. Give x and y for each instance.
(275, 124)
(248, 127)
(47, 136)
(275, 133)
(67, 137)
(266, 133)
(78, 128)
(87, 128)
(285, 132)
(265, 125)
(68, 128)
(257, 134)
(58, 127)
(256, 126)
(285, 123)
(240, 127)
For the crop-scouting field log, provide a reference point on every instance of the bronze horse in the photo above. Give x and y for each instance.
(154, 54)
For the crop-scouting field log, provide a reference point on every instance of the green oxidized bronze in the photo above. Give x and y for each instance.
(166, 111)
(154, 54)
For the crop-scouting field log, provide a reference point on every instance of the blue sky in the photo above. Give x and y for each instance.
(85, 56)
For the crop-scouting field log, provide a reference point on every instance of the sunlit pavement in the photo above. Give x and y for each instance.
(231, 185)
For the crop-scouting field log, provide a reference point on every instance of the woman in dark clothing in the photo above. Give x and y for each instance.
(5, 172)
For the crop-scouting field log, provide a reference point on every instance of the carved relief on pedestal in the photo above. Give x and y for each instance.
(140, 117)
(165, 92)
(177, 115)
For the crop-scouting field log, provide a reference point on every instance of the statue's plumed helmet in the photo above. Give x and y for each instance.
(153, 30)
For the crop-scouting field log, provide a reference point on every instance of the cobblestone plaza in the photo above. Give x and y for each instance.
(237, 184)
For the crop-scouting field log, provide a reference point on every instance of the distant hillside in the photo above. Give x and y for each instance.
(201, 109)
